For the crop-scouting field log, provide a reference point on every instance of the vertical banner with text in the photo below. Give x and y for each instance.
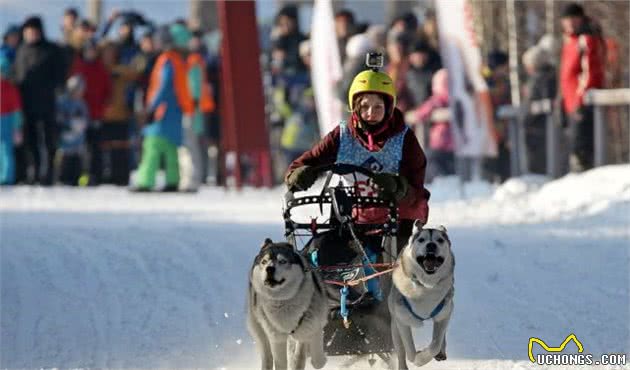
(471, 106)
(326, 66)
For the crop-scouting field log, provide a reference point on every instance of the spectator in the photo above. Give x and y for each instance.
(498, 79)
(68, 44)
(541, 84)
(84, 32)
(10, 122)
(145, 59)
(377, 34)
(39, 71)
(203, 100)
(68, 25)
(300, 129)
(10, 42)
(344, 29)
(440, 156)
(419, 74)
(126, 44)
(168, 99)
(288, 35)
(397, 45)
(581, 68)
(73, 118)
(429, 31)
(98, 88)
(115, 131)
(356, 49)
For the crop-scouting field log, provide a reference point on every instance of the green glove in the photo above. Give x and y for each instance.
(301, 178)
(391, 184)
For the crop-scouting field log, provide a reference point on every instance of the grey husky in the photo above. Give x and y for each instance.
(287, 309)
(422, 290)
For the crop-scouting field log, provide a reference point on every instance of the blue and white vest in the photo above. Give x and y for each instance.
(385, 160)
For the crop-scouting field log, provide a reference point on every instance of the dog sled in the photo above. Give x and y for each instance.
(355, 258)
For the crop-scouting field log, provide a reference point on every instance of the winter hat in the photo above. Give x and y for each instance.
(497, 58)
(34, 22)
(358, 46)
(180, 35)
(290, 11)
(573, 10)
(164, 38)
(11, 29)
(536, 57)
(377, 34)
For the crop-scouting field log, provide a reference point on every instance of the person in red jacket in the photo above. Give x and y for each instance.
(581, 68)
(376, 138)
(98, 89)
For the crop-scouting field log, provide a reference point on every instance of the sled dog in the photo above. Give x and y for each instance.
(287, 309)
(422, 290)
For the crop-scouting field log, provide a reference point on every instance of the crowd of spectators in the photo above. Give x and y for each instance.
(73, 110)
(79, 103)
(413, 61)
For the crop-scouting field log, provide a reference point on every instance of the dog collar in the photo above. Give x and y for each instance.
(434, 313)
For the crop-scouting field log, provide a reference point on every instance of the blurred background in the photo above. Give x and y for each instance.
(89, 130)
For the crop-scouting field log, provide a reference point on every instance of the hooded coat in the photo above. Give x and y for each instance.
(39, 70)
(412, 166)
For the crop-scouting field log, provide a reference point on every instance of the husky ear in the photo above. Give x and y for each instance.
(267, 242)
(442, 228)
(417, 226)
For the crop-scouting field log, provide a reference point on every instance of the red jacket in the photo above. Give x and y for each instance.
(9, 97)
(98, 84)
(581, 68)
(412, 166)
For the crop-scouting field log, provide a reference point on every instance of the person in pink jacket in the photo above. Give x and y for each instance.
(441, 153)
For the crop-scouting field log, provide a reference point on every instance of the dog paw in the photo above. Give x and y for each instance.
(440, 356)
(422, 357)
(318, 361)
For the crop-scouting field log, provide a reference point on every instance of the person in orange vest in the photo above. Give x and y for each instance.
(204, 104)
(168, 100)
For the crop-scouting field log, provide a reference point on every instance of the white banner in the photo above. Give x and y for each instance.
(471, 107)
(326, 66)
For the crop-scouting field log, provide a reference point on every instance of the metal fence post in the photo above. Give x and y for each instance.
(514, 152)
(599, 137)
(551, 144)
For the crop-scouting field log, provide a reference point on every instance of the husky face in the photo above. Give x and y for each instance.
(278, 271)
(428, 256)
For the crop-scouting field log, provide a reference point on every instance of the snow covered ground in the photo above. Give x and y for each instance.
(103, 278)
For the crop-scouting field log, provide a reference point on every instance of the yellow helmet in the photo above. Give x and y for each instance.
(372, 81)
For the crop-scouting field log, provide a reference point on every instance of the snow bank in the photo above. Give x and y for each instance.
(102, 278)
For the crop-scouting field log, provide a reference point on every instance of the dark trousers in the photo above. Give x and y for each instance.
(95, 155)
(70, 169)
(116, 147)
(535, 137)
(580, 134)
(40, 143)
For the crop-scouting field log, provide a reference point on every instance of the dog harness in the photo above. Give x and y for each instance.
(434, 313)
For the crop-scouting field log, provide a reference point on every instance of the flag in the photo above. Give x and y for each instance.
(326, 68)
(471, 107)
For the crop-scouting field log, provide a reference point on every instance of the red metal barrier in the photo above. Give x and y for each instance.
(243, 113)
